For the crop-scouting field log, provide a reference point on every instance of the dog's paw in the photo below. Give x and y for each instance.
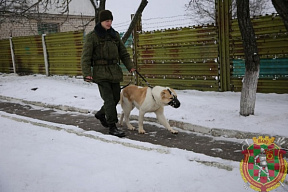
(174, 132)
(141, 131)
(131, 128)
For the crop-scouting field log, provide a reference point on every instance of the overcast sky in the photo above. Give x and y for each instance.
(158, 14)
(123, 9)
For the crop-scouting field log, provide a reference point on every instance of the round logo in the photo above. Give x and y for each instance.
(263, 167)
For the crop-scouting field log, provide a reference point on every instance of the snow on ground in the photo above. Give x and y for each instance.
(37, 158)
(42, 156)
(208, 109)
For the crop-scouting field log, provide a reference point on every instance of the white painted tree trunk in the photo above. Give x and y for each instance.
(248, 94)
(252, 59)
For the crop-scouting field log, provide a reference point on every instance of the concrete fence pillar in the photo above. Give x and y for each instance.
(12, 54)
(45, 55)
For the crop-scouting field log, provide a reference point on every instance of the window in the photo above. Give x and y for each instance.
(46, 28)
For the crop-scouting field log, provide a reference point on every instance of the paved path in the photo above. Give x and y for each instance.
(199, 143)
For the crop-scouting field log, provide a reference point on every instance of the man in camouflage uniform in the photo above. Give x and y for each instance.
(102, 51)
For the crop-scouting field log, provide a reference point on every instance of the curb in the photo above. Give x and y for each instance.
(158, 148)
(216, 132)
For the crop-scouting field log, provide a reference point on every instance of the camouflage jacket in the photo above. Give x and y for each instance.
(101, 53)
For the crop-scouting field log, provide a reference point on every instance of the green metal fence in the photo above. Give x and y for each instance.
(6, 65)
(272, 42)
(182, 58)
(64, 53)
(28, 53)
(127, 77)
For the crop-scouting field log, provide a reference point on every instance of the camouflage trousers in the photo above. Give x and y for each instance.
(110, 93)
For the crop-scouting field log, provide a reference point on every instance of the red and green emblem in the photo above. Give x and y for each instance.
(263, 166)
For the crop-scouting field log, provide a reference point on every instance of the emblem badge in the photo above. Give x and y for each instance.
(263, 167)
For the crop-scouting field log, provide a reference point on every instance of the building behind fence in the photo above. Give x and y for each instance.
(182, 58)
(45, 24)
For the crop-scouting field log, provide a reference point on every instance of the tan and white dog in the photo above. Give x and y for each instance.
(147, 99)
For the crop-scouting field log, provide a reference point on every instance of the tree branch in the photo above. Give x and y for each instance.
(281, 7)
(37, 3)
(134, 20)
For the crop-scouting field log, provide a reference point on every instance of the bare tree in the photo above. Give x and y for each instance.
(26, 12)
(98, 6)
(16, 10)
(135, 20)
(204, 10)
(252, 59)
(281, 7)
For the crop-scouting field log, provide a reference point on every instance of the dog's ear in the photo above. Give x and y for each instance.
(162, 94)
(172, 92)
(166, 93)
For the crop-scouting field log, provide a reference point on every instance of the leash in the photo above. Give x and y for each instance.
(141, 77)
(128, 83)
(144, 79)
(90, 80)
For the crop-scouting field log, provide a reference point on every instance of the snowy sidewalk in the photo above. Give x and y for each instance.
(40, 155)
(216, 132)
(37, 155)
(50, 157)
(216, 113)
(224, 148)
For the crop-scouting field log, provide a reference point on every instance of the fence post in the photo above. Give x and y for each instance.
(12, 54)
(45, 55)
(136, 29)
(223, 20)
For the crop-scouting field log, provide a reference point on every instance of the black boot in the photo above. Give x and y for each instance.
(113, 130)
(102, 119)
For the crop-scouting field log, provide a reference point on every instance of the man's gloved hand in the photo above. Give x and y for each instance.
(88, 79)
(132, 70)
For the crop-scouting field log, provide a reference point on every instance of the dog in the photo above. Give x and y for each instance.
(147, 99)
